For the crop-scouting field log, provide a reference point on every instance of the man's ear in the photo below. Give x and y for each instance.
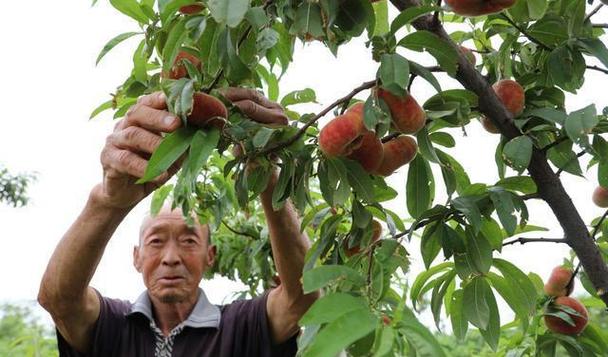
(211, 251)
(136, 262)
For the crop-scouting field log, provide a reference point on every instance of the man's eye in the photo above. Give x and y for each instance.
(155, 241)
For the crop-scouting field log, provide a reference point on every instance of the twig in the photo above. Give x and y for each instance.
(599, 69)
(530, 37)
(523, 240)
(603, 26)
(239, 232)
(556, 142)
(390, 137)
(530, 196)
(293, 139)
(593, 12)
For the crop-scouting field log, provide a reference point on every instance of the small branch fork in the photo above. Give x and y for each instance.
(593, 234)
(550, 188)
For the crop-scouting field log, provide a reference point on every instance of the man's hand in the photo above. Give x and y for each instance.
(125, 156)
(256, 106)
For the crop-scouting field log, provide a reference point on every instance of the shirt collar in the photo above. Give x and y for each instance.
(204, 313)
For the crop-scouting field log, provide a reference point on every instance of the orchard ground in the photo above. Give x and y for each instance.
(51, 86)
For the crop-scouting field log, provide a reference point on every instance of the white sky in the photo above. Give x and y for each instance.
(50, 86)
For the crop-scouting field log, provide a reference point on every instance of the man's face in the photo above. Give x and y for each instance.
(172, 257)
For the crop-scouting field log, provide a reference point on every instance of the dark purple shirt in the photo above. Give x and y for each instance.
(237, 329)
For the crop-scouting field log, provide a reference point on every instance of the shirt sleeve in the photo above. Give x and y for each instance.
(105, 334)
(252, 330)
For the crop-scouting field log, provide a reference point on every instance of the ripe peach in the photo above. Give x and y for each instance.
(478, 7)
(386, 320)
(376, 233)
(557, 285)
(370, 153)
(488, 125)
(343, 134)
(511, 94)
(179, 69)
(558, 325)
(206, 110)
(397, 152)
(600, 196)
(408, 117)
(192, 8)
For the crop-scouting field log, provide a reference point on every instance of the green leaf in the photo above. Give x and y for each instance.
(424, 73)
(426, 146)
(257, 17)
(580, 123)
(167, 153)
(479, 252)
(308, 21)
(476, 308)
(360, 181)
(596, 48)
(512, 296)
(381, 15)
(443, 52)
(420, 187)
(423, 277)
(229, 12)
(518, 152)
(130, 8)
(140, 61)
(430, 242)
(298, 97)
(101, 108)
(408, 15)
(261, 137)
(330, 307)
(549, 114)
(523, 184)
(113, 42)
(174, 41)
(503, 203)
(492, 333)
(267, 39)
(564, 158)
(340, 333)
(457, 318)
(394, 73)
(524, 286)
(159, 197)
(169, 8)
(203, 143)
(321, 276)
(420, 338)
(468, 206)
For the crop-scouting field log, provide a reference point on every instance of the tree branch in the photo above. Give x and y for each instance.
(599, 69)
(593, 12)
(603, 26)
(239, 232)
(550, 188)
(295, 137)
(523, 240)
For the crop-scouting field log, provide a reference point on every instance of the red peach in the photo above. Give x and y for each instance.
(600, 196)
(179, 69)
(478, 7)
(511, 94)
(488, 125)
(207, 110)
(370, 153)
(558, 325)
(408, 117)
(397, 152)
(192, 8)
(376, 233)
(343, 134)
(557, 285)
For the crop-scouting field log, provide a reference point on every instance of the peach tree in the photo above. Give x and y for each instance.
(514, 62)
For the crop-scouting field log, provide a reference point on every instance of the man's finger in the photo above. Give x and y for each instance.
(235, 94)
(126, 162)
(156, 100)
(152, 119)
(136, 138)
(262, 114)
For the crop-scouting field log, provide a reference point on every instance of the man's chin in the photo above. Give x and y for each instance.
(170, 296)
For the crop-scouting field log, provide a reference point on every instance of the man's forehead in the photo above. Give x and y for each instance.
(167, 216)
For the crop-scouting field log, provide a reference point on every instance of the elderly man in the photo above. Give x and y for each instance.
(173, 316)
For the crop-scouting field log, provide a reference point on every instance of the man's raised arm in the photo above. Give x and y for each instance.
(64, 290)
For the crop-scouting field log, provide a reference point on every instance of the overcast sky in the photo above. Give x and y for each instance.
(50, 85)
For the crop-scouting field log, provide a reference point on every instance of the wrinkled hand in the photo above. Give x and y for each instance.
(127, 150)
(257, 107)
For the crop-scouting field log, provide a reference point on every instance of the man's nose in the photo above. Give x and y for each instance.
(171, 255)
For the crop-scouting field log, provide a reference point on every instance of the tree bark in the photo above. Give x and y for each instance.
(550, 188)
